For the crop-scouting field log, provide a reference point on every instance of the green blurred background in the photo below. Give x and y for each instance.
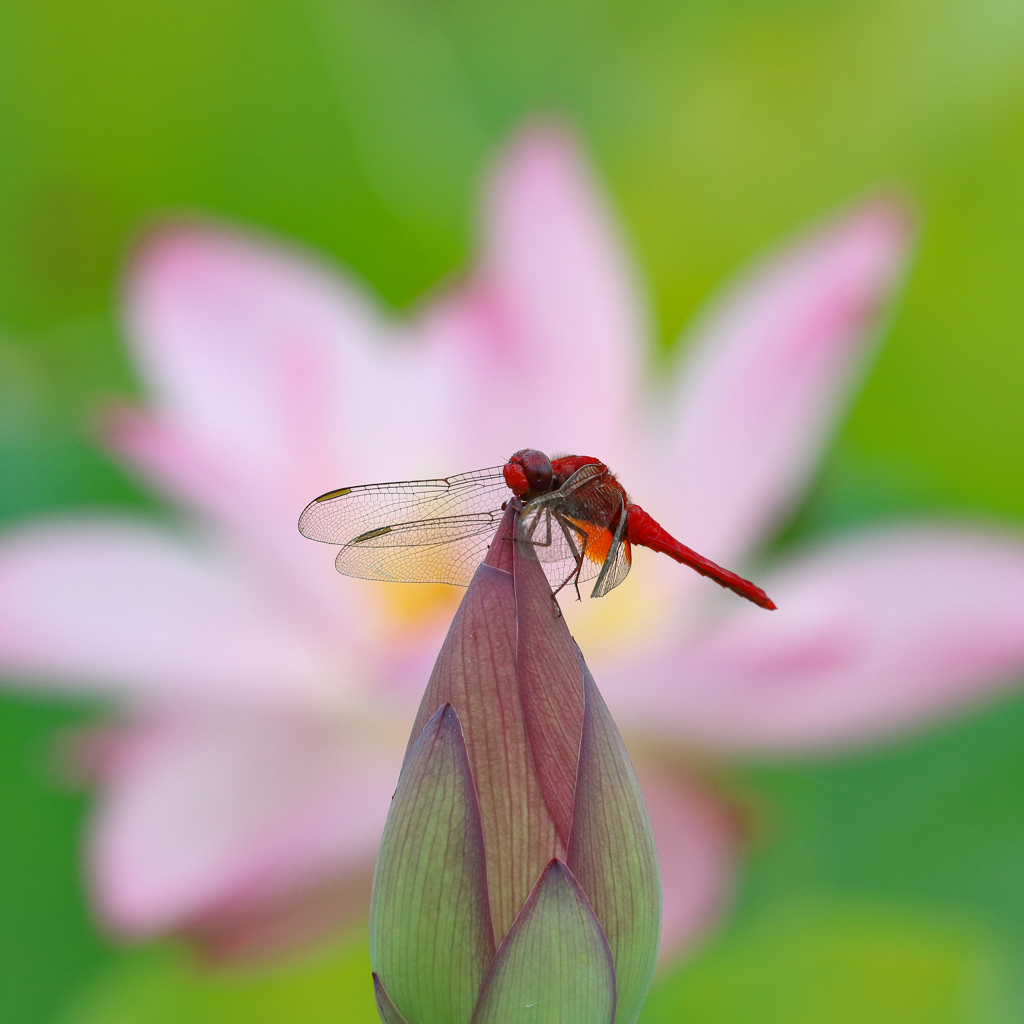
(886, 886)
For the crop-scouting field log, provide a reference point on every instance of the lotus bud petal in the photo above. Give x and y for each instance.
(385, 1007)
(430, 876)
(612, 854)
(554, 966)
(517, 826)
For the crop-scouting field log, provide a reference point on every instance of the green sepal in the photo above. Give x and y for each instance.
(389, 1013)
(554, 966)
(431, 938)
(612, 854)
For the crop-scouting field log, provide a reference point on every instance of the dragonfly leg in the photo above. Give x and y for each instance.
(546, 543)
(530, 529)
(578, 555)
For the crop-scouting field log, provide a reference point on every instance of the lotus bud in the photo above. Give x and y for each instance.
(517, 878)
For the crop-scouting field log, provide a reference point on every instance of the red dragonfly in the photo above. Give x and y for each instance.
(576, 520)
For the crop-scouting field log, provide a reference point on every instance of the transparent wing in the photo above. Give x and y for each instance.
(558, 543)
(572, 527)
(413, 531)
(617, 563)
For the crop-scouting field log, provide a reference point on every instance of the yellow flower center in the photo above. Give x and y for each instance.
(413, 606)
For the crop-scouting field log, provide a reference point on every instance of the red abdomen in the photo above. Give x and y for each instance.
(648, 533)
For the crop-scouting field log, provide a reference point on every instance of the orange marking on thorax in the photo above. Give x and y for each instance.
(599, 540)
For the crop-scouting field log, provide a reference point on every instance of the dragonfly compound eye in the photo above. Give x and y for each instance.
(536, 468)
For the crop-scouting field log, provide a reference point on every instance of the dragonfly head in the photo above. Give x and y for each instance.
(528, 473)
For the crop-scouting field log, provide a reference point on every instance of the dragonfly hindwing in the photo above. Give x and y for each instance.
(619, 559)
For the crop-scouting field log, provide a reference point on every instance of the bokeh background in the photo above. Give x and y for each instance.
(886, 885)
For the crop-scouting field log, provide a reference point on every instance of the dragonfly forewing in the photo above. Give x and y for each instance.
(413, 531)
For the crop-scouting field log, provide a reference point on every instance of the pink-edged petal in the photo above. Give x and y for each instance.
(549, 673)
(697, 835)
(274, 362)
(551, 324)
(389, 1013)
(611, 851)
(872, 635)
(119, 607)
(431, 936)
(475, 672)
(554, 966)
(255, 517)
(165, 454)
(241, 340)
(767, 376)
(205, 817)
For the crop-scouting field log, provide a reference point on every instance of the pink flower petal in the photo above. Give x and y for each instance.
(205, 817)
(242, 342)
(257, 518)
(119, 607)
(165, 455)
(551, 323)
(766, 379)
(872, 635)
(697, 836)
(279, 367)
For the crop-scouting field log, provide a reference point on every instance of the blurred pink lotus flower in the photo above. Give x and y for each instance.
(265, 700)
